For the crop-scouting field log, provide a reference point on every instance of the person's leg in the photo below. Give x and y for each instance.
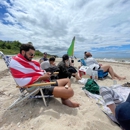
(119, 77)
(112, 73)
(64, 82)
(109, 69)
(64, 93)
(72, 70)
(112, 108)
(77, 77)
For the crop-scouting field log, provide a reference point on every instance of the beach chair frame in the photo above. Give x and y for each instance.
(26, 95)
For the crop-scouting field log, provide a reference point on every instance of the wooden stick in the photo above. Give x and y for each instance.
(37, 85)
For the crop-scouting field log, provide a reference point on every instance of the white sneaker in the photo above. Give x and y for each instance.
(83, 81)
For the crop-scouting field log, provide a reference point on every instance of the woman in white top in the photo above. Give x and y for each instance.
(90, 61)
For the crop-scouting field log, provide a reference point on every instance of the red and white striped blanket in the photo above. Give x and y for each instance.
(25, 72)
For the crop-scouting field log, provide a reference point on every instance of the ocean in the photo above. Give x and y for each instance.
(118, 60)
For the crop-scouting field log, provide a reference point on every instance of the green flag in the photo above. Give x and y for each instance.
(70, 51)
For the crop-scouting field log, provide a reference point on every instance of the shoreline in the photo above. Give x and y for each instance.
(114, 62)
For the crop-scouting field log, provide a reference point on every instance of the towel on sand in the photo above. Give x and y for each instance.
(123, 91)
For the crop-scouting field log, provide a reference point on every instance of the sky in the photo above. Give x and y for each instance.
(101, 27)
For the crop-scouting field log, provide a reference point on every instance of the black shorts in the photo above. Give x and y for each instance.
(48, 90)
(71, 69)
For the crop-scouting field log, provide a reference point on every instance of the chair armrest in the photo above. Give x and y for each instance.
(37, 85)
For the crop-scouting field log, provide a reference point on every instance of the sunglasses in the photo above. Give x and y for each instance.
(32, 55)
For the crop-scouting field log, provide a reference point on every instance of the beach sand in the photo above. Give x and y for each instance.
(33, 115)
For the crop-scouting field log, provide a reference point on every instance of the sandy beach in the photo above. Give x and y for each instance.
(33, 115)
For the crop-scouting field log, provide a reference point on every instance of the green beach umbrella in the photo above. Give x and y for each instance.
(70, 51)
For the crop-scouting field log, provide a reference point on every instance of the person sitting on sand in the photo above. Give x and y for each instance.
(122, 114)
(49, 63)
(26, 71)
(49, 66)
(119, 107)
(44, 58)
(66, 70)
(92, 63)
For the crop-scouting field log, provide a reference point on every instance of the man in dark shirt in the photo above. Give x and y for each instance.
(44, 58)
(66, 70)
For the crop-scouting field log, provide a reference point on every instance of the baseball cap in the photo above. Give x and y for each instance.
(122, 114)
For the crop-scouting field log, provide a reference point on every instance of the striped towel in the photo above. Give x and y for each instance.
(25, 72)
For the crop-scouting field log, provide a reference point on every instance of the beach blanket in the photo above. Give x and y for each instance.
(123, 91)
(25, 72)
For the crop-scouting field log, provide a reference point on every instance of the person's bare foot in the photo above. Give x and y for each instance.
(122, 78)
(114, 78)
(70, 103)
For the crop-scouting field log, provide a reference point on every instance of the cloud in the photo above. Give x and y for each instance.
(51, 25)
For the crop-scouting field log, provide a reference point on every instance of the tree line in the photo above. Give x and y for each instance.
(12, 48)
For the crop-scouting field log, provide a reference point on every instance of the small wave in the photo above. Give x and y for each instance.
(115, 60)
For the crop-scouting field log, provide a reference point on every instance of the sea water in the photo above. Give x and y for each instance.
(115, 60)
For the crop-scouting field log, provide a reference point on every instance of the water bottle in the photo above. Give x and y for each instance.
(96, 75)
(114, 82)
(93, 75)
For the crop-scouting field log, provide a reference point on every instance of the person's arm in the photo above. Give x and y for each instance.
(41, 60)
(44, 77)
(95, 61)
(112, 108)
(107, 96)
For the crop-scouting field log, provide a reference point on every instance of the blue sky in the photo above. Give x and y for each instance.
(101, 27)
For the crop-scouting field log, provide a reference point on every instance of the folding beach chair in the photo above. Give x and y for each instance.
(6, 59)
(24, 93)
(101, 74)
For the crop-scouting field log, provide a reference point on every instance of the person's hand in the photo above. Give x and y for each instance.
(47, 75)
(73, 74)
(41, 61)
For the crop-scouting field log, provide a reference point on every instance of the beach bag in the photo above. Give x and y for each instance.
(91, 86)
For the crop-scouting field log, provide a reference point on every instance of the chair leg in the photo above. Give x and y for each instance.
(48, 99)
(20, 99)
(14, 103)
(43, 97)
